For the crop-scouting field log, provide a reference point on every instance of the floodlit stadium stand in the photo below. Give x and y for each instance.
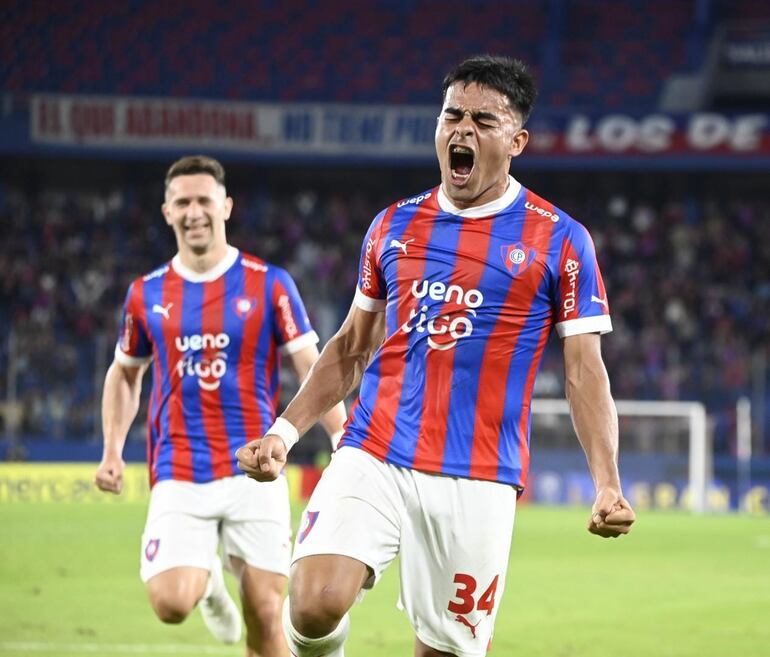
(345, 51)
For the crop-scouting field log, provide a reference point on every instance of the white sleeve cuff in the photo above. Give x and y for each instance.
(596, 324)
(368, 303)
(130, 361)
(299, 343)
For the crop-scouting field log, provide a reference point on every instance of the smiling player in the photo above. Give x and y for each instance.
(467, 280)
(213, 321)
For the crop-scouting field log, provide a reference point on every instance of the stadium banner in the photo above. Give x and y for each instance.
(381, 133)
(74, 482)
(258, 128)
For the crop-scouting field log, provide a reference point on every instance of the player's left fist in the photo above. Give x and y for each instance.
(109, 475)
(611, 515)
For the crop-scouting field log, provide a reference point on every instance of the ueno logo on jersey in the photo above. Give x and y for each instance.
(209, 369)
(197, 342)
(542, 212)
(414, 200)
(444, 330)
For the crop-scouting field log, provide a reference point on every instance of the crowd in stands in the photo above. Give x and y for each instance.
(588, 54)
(687, 279)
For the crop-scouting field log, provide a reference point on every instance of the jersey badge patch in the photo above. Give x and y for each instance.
(517, 258)
(244, 306)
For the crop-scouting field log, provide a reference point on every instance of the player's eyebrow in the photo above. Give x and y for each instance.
(201, 198)
(476, 116)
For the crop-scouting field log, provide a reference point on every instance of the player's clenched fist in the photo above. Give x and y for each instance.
(109, 475)
(262, 459)
(611, 515)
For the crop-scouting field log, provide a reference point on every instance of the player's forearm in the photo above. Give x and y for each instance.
(337, 371)
(120, 404)
(595, 419)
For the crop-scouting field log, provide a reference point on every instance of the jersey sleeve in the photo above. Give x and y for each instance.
(291, 325)
(134, 347)
(581, 300)
(371, 290)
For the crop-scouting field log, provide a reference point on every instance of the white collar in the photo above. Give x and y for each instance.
(207, 276)
(486, 210)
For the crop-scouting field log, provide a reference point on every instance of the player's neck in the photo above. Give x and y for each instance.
(490, 194)
(200, 263)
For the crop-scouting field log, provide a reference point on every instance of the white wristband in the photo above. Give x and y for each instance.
(286, 431)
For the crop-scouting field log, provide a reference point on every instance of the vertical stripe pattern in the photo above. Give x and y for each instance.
(214, 345)
(469, 307)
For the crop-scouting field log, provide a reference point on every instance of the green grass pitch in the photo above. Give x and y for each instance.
(679, 586)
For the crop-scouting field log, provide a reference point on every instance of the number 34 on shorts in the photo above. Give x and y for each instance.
(467, 599)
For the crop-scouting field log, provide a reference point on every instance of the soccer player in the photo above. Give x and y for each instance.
(213, 322)
(468, 279)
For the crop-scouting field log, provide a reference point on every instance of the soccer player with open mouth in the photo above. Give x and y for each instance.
(466, 281)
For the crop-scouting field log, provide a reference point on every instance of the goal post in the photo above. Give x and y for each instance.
(693, 413)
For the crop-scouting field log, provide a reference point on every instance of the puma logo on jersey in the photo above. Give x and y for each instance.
(467, 623)
(598, 300)
(401, 245)
(162, 310)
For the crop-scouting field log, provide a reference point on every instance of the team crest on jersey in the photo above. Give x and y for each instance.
(244, 306)
(517, 258)
(151, 549)
(307, 524)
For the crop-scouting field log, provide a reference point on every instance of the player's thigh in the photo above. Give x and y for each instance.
(353, 512)
(256, 526)
(454, 556)
(179, 531)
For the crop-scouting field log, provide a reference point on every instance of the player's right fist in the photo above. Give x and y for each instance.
(109, 475)
(262, 459)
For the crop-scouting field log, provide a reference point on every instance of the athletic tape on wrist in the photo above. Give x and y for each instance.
(286, 431)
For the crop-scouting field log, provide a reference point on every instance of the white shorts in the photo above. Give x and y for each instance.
(453, 536)
(186, 520)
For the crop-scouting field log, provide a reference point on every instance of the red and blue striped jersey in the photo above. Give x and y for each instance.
(470, 298)
(215, 342)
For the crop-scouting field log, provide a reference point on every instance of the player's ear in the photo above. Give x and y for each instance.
(166, 213)
(228, 207)
(518, 143)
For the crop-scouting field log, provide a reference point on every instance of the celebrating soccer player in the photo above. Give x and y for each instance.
(467, 280)
(213, 322)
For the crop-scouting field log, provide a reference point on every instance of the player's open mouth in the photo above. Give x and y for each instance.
(461, 160)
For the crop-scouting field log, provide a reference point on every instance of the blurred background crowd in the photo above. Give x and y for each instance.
(687, 277)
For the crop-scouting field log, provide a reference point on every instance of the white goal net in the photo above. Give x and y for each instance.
(661, 441)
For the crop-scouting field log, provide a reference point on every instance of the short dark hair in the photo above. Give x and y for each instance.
(508, 76)
(192, 164)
